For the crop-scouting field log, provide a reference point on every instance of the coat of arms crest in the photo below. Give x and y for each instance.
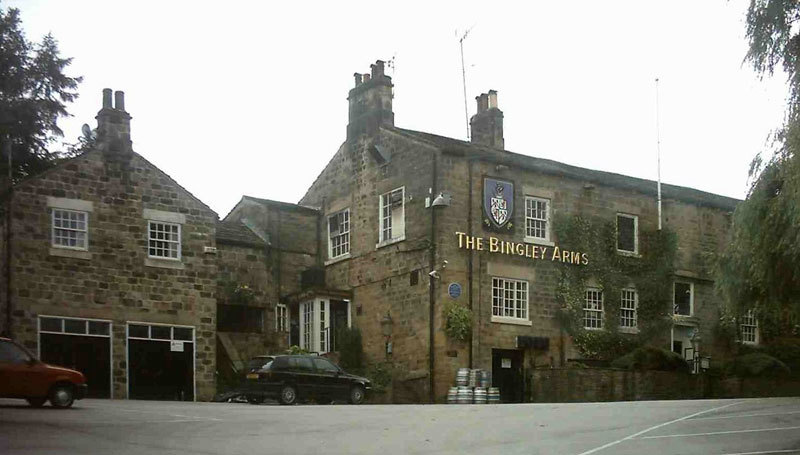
(498, 203)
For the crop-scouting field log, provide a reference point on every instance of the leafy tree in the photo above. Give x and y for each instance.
(34, 92)
(761, 268)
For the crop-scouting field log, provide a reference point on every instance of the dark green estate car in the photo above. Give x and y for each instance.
(289, 378)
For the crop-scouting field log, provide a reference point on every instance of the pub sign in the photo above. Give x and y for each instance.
(498, 204)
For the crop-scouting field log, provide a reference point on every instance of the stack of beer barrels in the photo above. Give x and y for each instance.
(473, 386)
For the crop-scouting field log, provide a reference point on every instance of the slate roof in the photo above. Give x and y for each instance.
(284, 205)
(515, 160)
(236, 233)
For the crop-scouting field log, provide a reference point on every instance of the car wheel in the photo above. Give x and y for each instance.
(357, 395)
(36, 402)
(288, 395)
(254, 399)
(61, 396)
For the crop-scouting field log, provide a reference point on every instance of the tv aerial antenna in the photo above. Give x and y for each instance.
(464, 75)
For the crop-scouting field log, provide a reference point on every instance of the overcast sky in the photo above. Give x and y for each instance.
(232, 98)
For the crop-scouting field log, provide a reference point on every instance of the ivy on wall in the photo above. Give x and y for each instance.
(650, 273)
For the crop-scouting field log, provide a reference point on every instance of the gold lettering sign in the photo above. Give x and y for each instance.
(495, 245)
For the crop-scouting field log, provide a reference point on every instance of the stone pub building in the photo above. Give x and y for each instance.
(110, 253)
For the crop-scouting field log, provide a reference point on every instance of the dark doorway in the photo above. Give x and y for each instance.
(157, 372)
(507, 374)
(338, 320)
(87, 354)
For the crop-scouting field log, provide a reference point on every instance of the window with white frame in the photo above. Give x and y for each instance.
(323, 329)
(281, 318)
(627, 308)
(537, 218)
(339, 234)
(164, 240)
(307, 310)
(510, 298)
(70, 229)
(392, 215)
(593, 309)
(749, 328)
(627, 233)
(683, 298)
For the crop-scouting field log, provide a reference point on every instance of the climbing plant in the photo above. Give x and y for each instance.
(237, 293)
(650, 273)
(457, 321)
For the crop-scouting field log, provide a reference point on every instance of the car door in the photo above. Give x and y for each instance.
(303, 372)
(20, 374)
(327, 377)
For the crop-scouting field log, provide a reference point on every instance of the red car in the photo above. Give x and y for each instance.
(24, 376)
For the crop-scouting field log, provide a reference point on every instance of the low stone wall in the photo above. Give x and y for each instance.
(601, 384)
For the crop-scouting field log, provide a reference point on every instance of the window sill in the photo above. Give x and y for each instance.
(390, 242)
(70, 253)
(630, 254)
(538, 241)
(629, 330)
(593, 329)
(338, 259)
(163, 263)
(514, 321)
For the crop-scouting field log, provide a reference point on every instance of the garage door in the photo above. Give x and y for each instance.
(80, 344)
(160, 362)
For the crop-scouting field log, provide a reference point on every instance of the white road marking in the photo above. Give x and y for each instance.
(171, 415)
(764, 453)
(654, 427)
(718, 432)
(748, 415)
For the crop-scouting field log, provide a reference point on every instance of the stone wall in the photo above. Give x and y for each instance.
(250, 266)
(380, 276)
(114, 279)
(561, 385)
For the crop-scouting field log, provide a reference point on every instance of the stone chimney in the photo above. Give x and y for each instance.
(487, 125)
(114, 124)
(370, 102)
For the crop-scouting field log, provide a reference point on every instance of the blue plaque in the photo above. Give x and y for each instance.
(454, 290)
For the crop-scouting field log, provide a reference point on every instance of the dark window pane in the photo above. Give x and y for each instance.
(99, 328)
(626, 233)
(160, 332)
(683, 299)
(182, 333)
(73, 326)
(139, 331)
(239, 318)
(50, 324)
(325, 366)
(304, 364)
(11, 353)
(280, 363)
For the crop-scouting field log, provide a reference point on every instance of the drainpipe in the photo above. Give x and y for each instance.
(469, 267)
(8, 238)
(432, 285)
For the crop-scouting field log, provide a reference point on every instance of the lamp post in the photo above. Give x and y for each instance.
(386, 328)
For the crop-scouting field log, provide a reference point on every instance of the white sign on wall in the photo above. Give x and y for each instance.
(176, 346)
(505, 363)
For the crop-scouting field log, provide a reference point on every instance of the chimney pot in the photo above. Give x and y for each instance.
(483, 102)
(357, 76)
(377, 69)
(119, 100)
(107, 98)
(366, 77)
(492, 99)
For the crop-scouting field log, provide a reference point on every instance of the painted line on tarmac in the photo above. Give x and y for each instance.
(718, 432)
(654, 427)
(765, 453)
(166, 414)
(748, 415)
